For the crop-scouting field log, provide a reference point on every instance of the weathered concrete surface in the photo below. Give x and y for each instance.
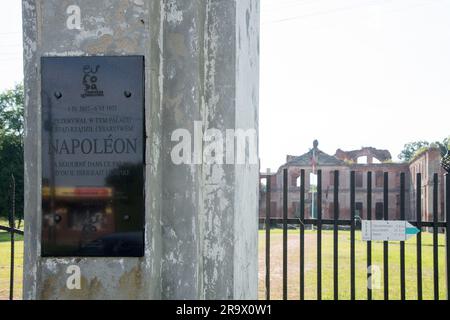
(109, 28)
(202, 63)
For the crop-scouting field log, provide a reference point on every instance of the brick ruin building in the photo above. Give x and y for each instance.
(378, 162)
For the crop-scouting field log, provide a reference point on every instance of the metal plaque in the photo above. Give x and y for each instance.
(93, 156)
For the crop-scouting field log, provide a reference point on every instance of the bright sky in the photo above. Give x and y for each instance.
(349, 73)
(352, 73)
(11, 66)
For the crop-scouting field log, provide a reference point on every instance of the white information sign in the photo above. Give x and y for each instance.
(380, 230)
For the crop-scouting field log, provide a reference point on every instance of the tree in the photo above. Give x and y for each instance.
(12, 111)
(11, 148)
(410, 150)
(444, 146)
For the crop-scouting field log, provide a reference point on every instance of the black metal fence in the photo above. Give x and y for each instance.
(336, 223)
(12, 230)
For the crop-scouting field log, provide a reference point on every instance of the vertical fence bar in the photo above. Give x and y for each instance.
(302, 235)
(386, 243)
(336, 236)
(419, 235)
(268, 216)
(447, 230)
(435, 236)
(402, 243)
(319, 235)
(12, 226)
(352, 235)
(285, 232)
(369, 243)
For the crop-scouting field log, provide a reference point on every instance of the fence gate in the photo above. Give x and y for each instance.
(336, 225)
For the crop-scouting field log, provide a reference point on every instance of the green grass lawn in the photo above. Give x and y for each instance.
(5, 265)
(310, 266)
(5, 261)
(344, 266)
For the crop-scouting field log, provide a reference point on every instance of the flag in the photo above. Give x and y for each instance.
(314, 161)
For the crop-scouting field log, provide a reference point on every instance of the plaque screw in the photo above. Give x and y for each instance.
(58, 218)
(58, 95)
(127, 94)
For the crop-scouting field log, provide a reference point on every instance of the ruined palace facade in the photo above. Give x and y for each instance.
(378, 162)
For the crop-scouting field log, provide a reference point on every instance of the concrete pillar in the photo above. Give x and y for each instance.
(202, 72)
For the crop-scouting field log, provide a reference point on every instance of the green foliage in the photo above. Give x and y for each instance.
(12, 111)
(445, 146)
(349, 162)
(420, 151)
(413, 150)
(11, 148)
